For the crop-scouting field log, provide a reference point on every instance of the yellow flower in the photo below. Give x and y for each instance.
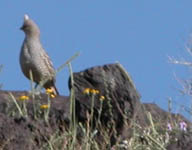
(86, 91)
(93, 91)
(23, 98)
(49, 91)
(102, 98)
(97, 91)
(52, 95)
(44, 106)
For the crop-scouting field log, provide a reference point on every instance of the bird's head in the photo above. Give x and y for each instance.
(29, 27)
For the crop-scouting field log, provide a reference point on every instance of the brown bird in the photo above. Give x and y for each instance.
(34, 59)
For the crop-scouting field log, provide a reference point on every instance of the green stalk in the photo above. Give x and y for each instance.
(17, 105)
(46, 112)
(92, 109)
(151, 122)
(156, 142)
(72, 110)
(33, 94)
(24, 108)
(67, 62)
(100, 110)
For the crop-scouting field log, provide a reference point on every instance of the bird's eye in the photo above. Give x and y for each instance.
(24, 27)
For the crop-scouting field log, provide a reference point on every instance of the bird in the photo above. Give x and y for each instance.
(34, 60)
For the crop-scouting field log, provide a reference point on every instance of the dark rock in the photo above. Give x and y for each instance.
(122, 101)
(27, 133)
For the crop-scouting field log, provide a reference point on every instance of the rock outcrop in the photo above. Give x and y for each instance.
(122, 101)
(108, 87)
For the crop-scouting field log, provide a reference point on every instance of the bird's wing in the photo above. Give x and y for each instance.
(48, 63)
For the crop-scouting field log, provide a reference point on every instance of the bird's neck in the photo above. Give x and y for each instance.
(32, 37)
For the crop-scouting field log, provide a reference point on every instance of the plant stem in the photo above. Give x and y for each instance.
(17, 105)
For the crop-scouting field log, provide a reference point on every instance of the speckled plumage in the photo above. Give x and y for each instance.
(33, 56)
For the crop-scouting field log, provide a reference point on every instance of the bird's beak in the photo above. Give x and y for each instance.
(22, 28)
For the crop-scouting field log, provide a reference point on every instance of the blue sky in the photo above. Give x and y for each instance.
(138, 34)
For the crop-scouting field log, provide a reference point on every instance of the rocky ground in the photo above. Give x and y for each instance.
(109, 86)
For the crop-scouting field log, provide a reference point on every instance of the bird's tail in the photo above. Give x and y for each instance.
(51, 88)
(54, 89)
